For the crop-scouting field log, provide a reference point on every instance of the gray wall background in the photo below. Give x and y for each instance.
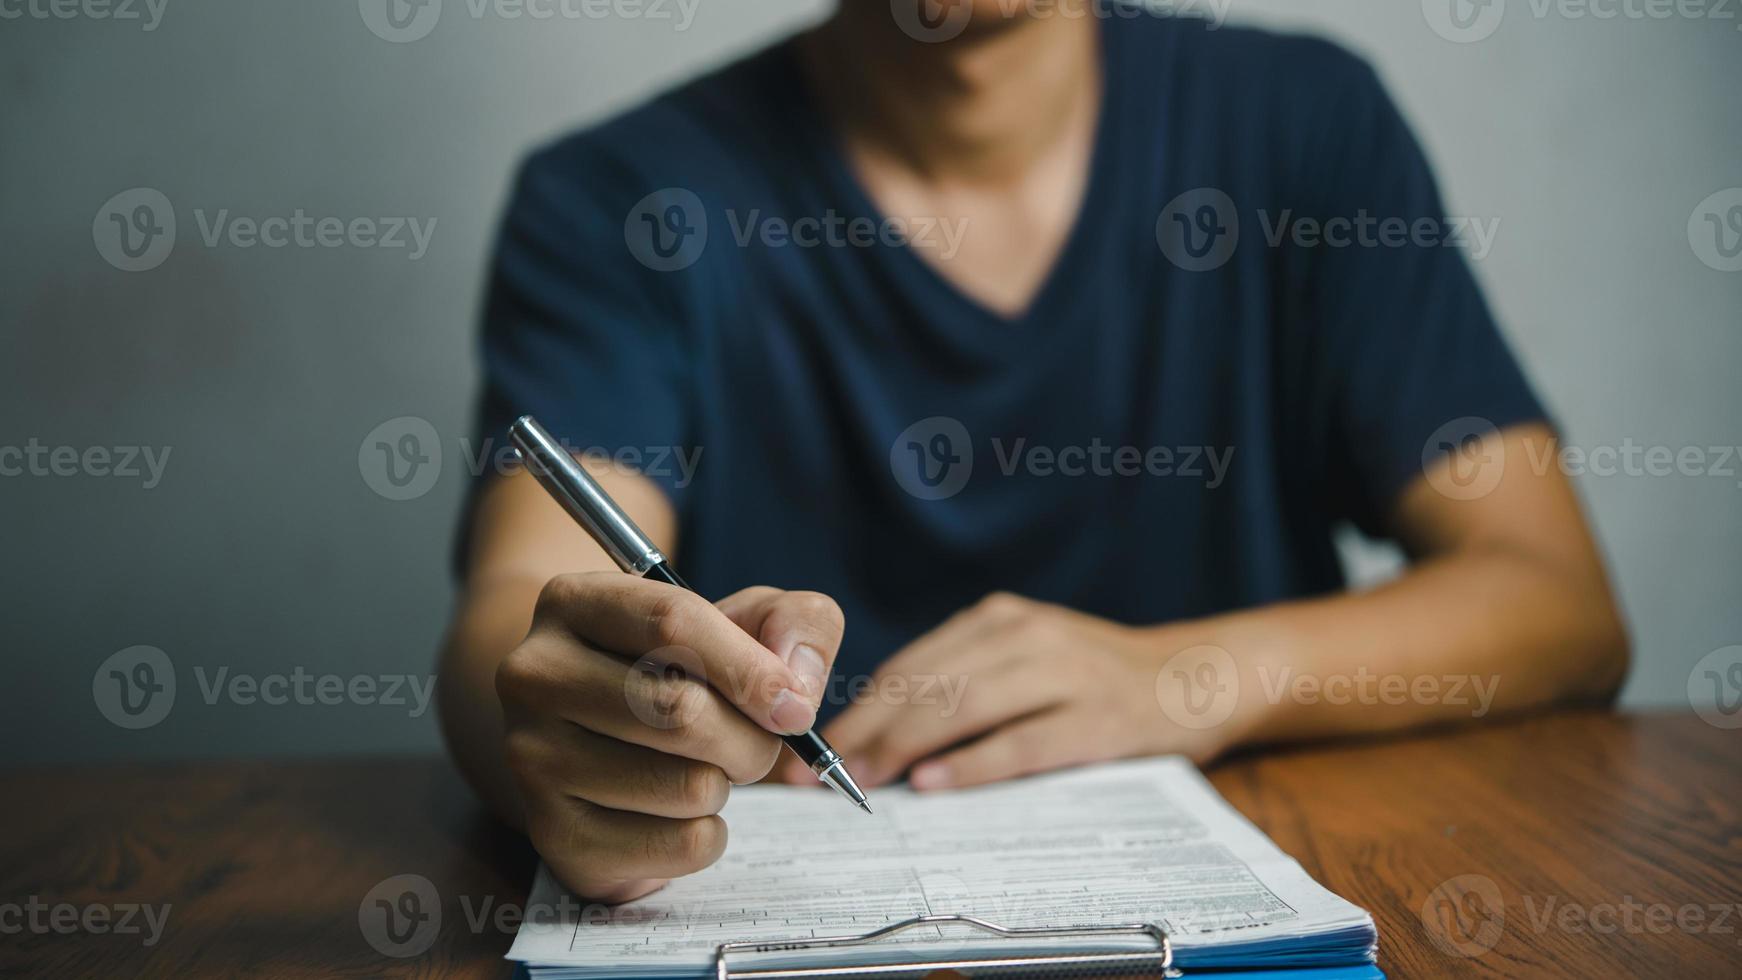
(263, 549)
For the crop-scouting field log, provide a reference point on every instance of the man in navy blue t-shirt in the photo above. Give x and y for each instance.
(1004, 377)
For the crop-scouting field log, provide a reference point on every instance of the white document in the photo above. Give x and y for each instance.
(1146, 841)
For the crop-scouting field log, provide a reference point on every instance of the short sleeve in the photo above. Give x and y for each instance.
(576, 332)
(1405, 340)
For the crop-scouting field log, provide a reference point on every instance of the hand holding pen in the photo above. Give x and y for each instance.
(622, 765)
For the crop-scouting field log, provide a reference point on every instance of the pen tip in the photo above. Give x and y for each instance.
(864, 805)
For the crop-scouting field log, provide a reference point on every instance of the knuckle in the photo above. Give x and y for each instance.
(704, 788)
(520, 674)
(524, 750)
(557, 593)
(696, 843)
(674, 616)
(765, 762)
(1002, 604)
(754, 759)
(754, 595)
(677, 702)
(814, 607)
(565, 837)
(666, 702)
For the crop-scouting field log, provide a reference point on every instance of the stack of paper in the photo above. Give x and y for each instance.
(1146, 841)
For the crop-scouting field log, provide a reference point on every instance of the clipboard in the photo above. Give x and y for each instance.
(1157, 962)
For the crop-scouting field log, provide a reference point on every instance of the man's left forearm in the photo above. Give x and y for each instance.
(1465, 635)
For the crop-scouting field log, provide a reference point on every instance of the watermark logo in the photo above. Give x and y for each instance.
(401, 916)
(667, 689)
(400, 21)
(1465, 458)
(1198, 687)
(1199, 230)
(134, 231)
(401, 458)
(134, 688)
(667, 230)
(932, 458)
(932, 21)
(1715, 687)
(1715, 230)
(1464, 21)
(1465, 916)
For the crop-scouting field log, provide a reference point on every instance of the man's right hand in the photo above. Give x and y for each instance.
(633, 706)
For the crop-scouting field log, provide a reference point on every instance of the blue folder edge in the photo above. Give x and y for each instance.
(1365, 971)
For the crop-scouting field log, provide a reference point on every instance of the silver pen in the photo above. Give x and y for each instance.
(579, 494)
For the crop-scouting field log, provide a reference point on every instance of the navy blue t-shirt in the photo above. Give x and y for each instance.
(1174, 428)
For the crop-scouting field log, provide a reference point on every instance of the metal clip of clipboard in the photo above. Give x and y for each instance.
(1157, 962)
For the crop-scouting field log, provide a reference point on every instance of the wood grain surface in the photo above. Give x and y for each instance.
(1571, 845)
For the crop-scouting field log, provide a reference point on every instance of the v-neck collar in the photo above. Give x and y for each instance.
(1064, 277)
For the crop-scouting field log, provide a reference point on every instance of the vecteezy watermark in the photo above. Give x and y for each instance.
(1200, 230)
(668, 230)
(403, 21)
(402, 916)
(1633, 459)
(1715, 230)
(944, 691)
(1629, 916)
(135, 231)
(1715, 687)
(401, 459)
(1198, 687)
(1465, 458)
(136, 688)
(1464, 916)
(1469, 21)
(936, 21)
(832, 230)
(144, 463)
(932, 459)
(1475, 236)
(35, 916)
(146, 13)
(1365, 687)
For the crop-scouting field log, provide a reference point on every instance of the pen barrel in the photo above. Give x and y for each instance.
(812, 750)
(575, 489)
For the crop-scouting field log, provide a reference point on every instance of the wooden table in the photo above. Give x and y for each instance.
(1574, 845)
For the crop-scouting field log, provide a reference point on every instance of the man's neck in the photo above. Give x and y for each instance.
(981, 109)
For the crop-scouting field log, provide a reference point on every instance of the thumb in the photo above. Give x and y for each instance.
(804, 629)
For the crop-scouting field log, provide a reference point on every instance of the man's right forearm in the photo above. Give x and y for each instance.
(492, 620)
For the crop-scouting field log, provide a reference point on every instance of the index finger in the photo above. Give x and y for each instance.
(638, 618)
